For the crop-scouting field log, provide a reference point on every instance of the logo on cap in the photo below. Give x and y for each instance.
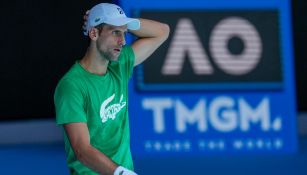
(97, 19)
(120, 10)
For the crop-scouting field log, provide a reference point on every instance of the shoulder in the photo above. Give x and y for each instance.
(66, 85)
(70, 81)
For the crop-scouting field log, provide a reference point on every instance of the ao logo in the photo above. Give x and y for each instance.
(186, 41)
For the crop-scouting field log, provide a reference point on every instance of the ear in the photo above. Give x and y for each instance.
(93, 34)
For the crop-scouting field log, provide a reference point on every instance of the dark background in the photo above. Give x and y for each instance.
(40, 40)
(299, 16)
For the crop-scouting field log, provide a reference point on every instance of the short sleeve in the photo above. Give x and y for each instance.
(69, 103)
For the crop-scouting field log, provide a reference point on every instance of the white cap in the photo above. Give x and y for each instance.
(110, 14)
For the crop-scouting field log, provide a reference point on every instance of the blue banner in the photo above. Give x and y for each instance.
(222, 83)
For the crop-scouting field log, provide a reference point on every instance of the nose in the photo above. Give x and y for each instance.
(121, 40)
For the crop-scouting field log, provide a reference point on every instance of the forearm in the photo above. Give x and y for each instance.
(150, 36)
(151, 29)
(95, 160)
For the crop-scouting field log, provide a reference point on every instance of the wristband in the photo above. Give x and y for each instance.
(123, 171)
(119, 170)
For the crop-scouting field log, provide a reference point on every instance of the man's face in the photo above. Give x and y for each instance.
(111, 40)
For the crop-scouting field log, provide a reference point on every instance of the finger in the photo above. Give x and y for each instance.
(86, 15)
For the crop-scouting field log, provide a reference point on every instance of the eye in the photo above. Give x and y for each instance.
(114, 32)
(118, 33)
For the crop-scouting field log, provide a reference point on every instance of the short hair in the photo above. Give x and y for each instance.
(100, 27)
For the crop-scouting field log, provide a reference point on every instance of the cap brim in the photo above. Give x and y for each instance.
(132, 23)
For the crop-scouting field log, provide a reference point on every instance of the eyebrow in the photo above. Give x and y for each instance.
(116, 28)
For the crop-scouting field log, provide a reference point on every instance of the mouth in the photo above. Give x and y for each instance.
(117, 50)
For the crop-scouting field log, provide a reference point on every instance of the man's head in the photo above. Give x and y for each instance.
(108, 40)
(109, 14)
(107, 25)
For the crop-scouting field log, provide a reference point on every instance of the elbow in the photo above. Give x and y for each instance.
(165, 31)
(80, 154)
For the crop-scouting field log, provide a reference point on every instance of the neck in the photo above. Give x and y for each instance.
(93, 62)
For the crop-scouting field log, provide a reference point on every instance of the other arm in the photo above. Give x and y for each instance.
(151, 35)
(88, 155)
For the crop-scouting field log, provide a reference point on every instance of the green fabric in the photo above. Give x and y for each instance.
(101, 103)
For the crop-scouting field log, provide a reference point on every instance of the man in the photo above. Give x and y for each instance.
(91, 98)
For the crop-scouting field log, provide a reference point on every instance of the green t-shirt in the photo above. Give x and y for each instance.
(100, 101)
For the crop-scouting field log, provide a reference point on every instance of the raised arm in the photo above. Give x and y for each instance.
(151, 35)
(88, 155)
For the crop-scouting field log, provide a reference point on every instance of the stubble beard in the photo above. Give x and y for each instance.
(108, 55)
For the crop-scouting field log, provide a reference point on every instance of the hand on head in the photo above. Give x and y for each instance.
(85, 18)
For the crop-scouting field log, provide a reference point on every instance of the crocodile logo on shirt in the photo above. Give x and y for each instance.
(109, 112)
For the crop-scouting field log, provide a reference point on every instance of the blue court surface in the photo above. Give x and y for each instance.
(49, 159)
